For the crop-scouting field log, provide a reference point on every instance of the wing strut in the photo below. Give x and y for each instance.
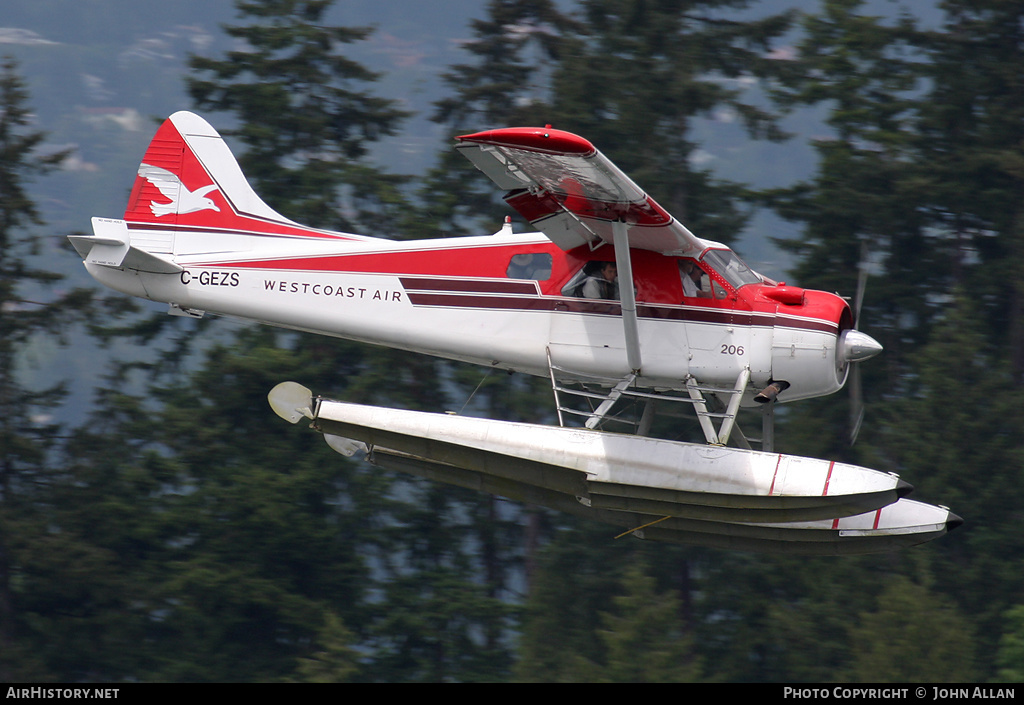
(627, 296)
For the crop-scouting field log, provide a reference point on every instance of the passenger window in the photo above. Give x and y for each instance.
(596, 280)
(535, 265)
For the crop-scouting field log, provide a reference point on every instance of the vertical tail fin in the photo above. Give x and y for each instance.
(189, 178)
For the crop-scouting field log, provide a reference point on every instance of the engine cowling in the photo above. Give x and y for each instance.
(815, 343)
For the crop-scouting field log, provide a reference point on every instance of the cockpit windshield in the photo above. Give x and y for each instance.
(731, 267)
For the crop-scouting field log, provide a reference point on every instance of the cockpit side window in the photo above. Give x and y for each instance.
(697, 283)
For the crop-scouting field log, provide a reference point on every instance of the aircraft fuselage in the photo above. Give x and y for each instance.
(474, 299)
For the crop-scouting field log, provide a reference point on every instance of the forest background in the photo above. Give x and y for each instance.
(158, 523)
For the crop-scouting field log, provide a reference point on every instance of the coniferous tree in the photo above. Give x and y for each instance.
(505, 82)
(29, 310)
(913, 635)
(629, 75)
(971, 129)
(263, 535)
(862, 206)
(641, 636)
(918, 184)
(611, 626)
(337, 662)
(110, 495)
(638, 75)
(308, 131)
(1010, 658)
(305, 115)
(512, 49)
(922, 169)
(578, 572)
(965, 454)
(633, 77)
(862, 68)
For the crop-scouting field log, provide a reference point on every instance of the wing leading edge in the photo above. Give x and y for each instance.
(572, 193)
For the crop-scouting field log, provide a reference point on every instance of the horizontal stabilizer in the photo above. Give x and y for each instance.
(142, 261)
(110, 246)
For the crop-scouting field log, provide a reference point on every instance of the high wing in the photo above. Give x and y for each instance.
(576, 196)
(572, 193)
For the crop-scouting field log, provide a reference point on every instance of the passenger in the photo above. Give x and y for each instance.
(604, 284)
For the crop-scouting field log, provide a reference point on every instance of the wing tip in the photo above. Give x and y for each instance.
(537, 139)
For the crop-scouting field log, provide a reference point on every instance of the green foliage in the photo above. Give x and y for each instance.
(912, 636)
(443, 614)
(864, 202)
(972, 126)
(967, 454)
(285, 557)
(504, 83)
(233, 543)
(337, 662)
(512, 50)
(97, 600)
(576, 572)
(20, 162)
(304, 114)
(631, 76)
(636, 77)
(308, 133)
(28, 310)
(597, 612)
(643, 637)
(919, 174)
(765, 618)
(1011, 647)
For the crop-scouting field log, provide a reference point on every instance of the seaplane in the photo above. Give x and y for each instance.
(611, 299)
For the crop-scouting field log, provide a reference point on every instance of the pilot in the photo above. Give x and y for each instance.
(603, 284)
(691, 275)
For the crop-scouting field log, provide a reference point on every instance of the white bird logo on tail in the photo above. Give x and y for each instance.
(181, 199)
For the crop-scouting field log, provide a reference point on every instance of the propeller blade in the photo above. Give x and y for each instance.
(862, 281)
(858, 347)
(856, 403)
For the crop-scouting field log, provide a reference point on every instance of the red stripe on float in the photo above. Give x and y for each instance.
(778, 464)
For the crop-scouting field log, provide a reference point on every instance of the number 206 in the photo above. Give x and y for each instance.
(732, 349)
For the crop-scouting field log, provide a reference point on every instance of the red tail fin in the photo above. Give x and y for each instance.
(189, 178)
